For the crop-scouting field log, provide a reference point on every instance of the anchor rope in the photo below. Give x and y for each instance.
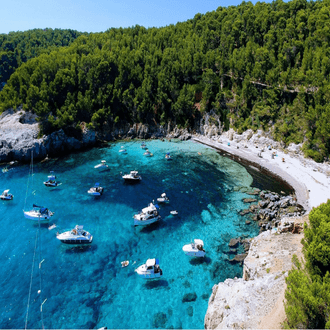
(40, 279)
(32, 268)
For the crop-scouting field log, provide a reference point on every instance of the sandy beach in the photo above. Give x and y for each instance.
(310, 180)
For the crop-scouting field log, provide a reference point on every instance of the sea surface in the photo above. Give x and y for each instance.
(85, 288)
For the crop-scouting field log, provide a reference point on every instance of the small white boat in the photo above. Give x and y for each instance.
(51, 182)
(125, 263)
(168, 156)
(174, 212)
(38, 213)
(148, 153)
(5, 170)
(52, 226)
(102, 166)
(163, 198)
(143, 145)
(6, 196)
(96, 190)
(147, 216)
(123, 150)
(76, 236)
(132, 176)
(195, 249)
(150, 269)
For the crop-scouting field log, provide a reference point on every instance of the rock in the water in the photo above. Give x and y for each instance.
(249, 200)
(160, 320)
(234, 242)
(188, 297)
(190, 311)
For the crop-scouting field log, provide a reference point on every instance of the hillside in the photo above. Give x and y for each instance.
(257, 66)
(18, 47)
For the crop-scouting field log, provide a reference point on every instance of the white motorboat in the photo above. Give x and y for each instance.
(38, 213)
(75, 236)
(96, 190)
(102, 166)
(51, 182)
(163, 198)
(195, 249)
(148, 153)
(174, 212)
(168, 156)
(6, 196)
(132, 176)
(147, 216)
(123, 150)
(125, 263)
(150, 269)
(143, 145)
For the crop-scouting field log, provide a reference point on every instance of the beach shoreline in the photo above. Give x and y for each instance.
(310, 182)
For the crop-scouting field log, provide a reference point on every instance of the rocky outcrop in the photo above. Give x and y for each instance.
(242, 303)
(19, 132)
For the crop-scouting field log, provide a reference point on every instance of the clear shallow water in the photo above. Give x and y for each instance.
(86, 287)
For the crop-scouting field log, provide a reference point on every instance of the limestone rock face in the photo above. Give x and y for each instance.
(19, 137)
(242, 303)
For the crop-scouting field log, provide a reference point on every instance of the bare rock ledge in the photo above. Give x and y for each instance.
(252, 301)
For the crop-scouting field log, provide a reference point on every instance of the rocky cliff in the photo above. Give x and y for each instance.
(19, 132)
(250, 302)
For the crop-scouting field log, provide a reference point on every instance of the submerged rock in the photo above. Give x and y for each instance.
(188, 297)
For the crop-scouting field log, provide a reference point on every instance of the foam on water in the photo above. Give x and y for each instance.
(87, 287)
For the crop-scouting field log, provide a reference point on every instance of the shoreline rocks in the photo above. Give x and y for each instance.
(242, 303)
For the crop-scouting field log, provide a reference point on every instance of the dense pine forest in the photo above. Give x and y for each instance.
(18, 47)
(257, 66)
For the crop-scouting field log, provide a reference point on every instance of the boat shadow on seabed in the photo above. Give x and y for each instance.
(80, 248)
(200, 261)
(154, 284)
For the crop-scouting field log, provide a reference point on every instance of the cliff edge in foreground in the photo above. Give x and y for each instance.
(256, 300)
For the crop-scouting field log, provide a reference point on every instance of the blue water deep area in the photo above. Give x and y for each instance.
(86, 287)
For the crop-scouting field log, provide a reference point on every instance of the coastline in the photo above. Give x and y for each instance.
(257, 299)
(310, 180)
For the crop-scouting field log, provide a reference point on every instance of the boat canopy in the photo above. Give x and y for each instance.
(103, 161)
(151, 262)
(163, 195)
(6, 192)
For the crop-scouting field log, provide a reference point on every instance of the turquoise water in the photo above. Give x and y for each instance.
(86, 287)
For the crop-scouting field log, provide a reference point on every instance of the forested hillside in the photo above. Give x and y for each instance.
(18, 47)
(258, 66)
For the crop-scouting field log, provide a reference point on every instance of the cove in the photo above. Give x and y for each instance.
(87, 287)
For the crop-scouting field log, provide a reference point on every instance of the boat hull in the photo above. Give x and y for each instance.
(7, 198)
(76, 241)
(138, 222)
(193, 252)
(47, 184)
(35, 217)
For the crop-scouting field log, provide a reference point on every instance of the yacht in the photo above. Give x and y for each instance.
(163, 198)
(174, 212)
(96, 190)
(123, 150)
(6, 196)
(38, 213)
(148, 153)
(168, 156)
(147, 216)
(51, 182)
(132, 176)
(101, 166)
(75, 236)
(150, 269)
(195, 249)
(143, 145)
